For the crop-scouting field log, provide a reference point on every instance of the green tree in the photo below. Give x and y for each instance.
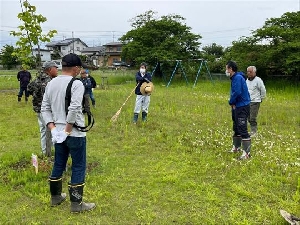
(30, 34)
(273, 49)
(283, 42)
(214, 50)
(213, 54)
(7, 58)
(159, 39)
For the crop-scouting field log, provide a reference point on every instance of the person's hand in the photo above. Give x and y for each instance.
(61, 136)
(54, 133)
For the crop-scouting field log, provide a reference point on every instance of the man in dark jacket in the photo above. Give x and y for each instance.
(37, 89)
(24, 78)
(240, 108)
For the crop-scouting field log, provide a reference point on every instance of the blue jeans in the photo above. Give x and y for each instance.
(76, 147)
(92, 98)
(239, 119)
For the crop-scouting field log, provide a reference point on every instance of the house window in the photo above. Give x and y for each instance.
(119, 49)
(63, 48)
(77, 42)
(111, 49)
(78, 48)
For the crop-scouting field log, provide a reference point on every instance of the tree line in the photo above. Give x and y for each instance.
(273, 48)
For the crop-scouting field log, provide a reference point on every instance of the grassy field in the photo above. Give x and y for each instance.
(174, 169)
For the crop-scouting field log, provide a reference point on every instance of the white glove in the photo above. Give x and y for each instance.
(54, 133)
(61, 136)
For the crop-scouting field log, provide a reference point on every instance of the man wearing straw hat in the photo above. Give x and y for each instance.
(143, 91)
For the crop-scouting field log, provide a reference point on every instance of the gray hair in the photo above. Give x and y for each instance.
(252, 67)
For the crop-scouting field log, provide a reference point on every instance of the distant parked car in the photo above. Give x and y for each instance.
(119, 63)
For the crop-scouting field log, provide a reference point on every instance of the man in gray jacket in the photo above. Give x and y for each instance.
(257, 92)
(68, 139)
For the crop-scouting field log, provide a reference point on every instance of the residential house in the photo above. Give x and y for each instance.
(113, 51)
(44, 53)
(64, 47)
(96, 55)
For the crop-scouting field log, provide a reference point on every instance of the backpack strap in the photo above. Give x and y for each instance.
(86, 109)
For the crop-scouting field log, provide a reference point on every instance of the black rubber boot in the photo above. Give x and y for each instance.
(246, 145)
(55, 189)
(26, 99)
(19, 98)
(77, 205)
(135, 118)
(236, 144)
(144, 116)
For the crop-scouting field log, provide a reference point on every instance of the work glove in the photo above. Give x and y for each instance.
(58, 136)
(54, 133)
(61, 136)
(147, 80)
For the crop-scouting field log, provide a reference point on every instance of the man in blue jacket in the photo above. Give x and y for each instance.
(240, 108)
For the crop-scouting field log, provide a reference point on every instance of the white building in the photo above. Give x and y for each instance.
(69, 45)
(45, 54)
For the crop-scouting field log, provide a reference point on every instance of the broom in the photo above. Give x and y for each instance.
(115, 117)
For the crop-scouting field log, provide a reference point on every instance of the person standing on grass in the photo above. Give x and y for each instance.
(142, 100)
(24, 78)
(37, 89)
(257, 92)
(69, 140)
(240, 110)
(94, 85)
(87, 83)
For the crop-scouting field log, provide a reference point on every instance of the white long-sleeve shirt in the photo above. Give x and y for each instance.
(257, 89)
(53, 105)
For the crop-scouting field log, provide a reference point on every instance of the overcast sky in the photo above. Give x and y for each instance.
(97, 22)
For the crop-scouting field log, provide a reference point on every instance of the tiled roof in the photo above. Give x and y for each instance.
(113, 43)
(65, 42)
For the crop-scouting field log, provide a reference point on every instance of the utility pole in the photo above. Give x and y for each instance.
(73, 41)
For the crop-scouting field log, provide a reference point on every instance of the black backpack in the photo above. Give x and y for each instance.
(86, 109)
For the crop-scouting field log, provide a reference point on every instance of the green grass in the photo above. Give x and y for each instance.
(174, 169)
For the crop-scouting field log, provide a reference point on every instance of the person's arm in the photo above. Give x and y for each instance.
(46, 110)
(236, 90)
(75, 107)
(18, 76)
(262, 89)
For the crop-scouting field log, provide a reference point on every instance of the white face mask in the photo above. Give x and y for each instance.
(142, 70)
(227, 73)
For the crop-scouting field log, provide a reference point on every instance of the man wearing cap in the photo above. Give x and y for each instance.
(142, 93)
(68, 139)
(37, 89)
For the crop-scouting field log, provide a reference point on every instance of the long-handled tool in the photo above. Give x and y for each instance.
(115, 117)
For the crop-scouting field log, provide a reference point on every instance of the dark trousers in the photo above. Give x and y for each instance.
(76, 147)
(239, 118)
(254, 107)
(22, 89)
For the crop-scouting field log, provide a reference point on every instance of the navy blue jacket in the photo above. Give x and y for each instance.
(140, 80)
(239, 94)
(87, 83)
(24, 77)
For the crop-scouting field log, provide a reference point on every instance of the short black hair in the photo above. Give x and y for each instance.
(143, 64)
(232, 65)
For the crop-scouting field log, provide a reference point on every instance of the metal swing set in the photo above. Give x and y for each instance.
(203, 64)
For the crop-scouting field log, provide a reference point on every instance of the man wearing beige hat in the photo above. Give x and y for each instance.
(143, 90)
(37, 89)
